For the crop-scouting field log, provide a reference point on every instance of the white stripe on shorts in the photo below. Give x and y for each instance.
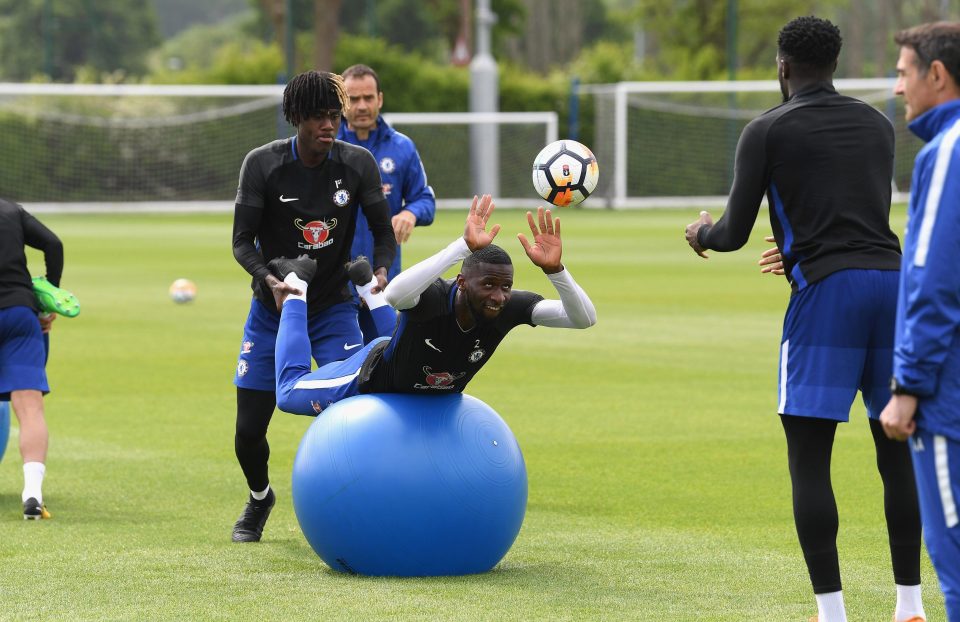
(326, 383)
(784, 355)
(943, 480)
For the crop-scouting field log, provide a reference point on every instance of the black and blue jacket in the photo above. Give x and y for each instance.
(926, 358)
(825, 163)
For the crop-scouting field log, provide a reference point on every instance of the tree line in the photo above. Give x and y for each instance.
(596, 40)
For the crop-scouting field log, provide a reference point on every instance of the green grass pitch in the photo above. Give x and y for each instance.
(657, 467)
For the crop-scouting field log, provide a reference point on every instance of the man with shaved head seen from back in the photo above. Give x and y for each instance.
(825, 163)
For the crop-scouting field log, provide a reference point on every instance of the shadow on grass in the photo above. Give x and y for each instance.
(506, 572)
(11, 507)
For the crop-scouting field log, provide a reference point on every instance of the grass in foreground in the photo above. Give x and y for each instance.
(657, 467)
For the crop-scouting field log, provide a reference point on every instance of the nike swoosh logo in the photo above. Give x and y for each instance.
(288, 199)
(348, 346)
(427, 341)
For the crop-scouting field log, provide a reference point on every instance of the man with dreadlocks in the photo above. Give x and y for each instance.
(825, 162)
(299, 196)
(447, 329)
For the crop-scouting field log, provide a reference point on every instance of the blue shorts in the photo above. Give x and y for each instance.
(23, 353)
(334, 335)
(936, 465)
(837, 339)
(304, 392)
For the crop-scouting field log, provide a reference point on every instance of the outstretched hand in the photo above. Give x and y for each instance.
(546, 248)
(280, 290)
(691, 231)
(475, 231)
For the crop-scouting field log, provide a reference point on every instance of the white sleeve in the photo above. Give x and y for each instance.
(403, 292)
(573, 310)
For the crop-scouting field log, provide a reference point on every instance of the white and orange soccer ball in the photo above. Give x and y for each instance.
(565, 172)
(183, 291)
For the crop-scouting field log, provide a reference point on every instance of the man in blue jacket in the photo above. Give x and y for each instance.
(926, 366)
(405, 185)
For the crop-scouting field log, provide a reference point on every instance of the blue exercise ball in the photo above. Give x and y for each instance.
(410, 485)
(4, 427)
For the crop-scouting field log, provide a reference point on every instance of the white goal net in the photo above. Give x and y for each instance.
(673, 143)
(180, 147)
(177, 146)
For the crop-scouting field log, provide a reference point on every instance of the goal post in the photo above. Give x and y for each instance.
(664, 144)
(146, 145)
(443, 140)
(657, 143)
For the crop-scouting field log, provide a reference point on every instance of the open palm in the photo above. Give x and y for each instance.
(475, 231)
(545, 250)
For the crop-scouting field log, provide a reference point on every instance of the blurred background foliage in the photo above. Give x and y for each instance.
(421, 47)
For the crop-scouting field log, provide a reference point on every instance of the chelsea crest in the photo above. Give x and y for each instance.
(341, 197)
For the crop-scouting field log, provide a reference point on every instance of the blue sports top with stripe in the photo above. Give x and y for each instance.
(404, 183)
(926, 358)
(825, 163)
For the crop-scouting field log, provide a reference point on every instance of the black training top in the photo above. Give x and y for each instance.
(825, 162)
(285, 209)
(429, 352)
(19, 229)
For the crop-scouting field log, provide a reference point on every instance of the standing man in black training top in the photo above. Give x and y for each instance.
(23, 347)
(299, 196)
(825, 162)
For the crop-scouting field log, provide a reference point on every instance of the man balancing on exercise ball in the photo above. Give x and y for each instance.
(447, 329)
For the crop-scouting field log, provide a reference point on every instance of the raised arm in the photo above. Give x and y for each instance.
(546, 249)
(404, 290)
(574, 309)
